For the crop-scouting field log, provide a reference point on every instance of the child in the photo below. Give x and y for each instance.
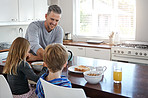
(55, 58)
(18, 71)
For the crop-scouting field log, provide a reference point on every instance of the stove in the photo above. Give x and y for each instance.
(131, 51)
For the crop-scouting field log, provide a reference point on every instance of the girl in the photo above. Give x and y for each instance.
(18, 69)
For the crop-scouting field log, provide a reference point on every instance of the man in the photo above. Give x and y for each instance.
(42, 33)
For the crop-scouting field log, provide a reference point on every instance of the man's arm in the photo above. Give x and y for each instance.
(39, 55)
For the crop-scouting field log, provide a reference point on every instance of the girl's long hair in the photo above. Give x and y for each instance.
(17, 53)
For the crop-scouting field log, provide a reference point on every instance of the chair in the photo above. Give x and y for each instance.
(5, 91)
(54, 91)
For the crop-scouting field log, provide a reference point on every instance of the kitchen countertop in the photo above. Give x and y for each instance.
(85, 44)
(4, 50)
(81, 44)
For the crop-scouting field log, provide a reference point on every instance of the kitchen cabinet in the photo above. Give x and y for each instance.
(8, 10)
(15, 11)
(26, 10)
(98, 53)
(77, 51)
(41, 7)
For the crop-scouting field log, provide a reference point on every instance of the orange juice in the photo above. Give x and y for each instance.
(117, 76)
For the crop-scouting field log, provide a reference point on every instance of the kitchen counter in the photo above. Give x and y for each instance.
(85, 44)
(82, 44)
(4, 50)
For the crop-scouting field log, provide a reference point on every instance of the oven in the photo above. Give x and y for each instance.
(133, 52)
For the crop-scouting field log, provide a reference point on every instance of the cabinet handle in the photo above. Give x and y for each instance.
(80, 48)
(29, 19)
(97, 50)
(13, 19)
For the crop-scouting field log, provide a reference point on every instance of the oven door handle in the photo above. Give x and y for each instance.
(131, 57)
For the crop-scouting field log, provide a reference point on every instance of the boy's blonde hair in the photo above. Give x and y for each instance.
(55, 56)
(17, 53)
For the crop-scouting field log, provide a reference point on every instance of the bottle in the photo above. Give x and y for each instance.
(116, 38)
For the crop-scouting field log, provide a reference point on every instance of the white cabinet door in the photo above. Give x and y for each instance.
(98, 53)
(40, 10)
(8, 10)
(77, 51)
(22, 10)
(26, 10)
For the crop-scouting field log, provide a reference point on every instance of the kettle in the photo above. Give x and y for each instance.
(70, 55)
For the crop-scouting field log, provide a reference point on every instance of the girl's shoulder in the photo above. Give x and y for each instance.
(24, 64)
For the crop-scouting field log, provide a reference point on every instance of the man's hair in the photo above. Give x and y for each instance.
(55, 56)
(55, 9)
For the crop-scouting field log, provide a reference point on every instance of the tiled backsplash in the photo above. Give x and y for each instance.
(9, 33)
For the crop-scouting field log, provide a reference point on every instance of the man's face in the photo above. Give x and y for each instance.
(52, 20)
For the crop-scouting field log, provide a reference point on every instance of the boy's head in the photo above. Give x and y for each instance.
(55, 57)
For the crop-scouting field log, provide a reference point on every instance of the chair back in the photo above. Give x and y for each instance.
(54, 91)
(5, 91)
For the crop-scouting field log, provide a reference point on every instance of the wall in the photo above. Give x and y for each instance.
(142, 20)
(67, 15)
(9, 33)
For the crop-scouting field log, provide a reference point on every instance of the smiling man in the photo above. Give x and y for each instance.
(42, 33)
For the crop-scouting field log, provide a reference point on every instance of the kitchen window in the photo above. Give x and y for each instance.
(98, 18)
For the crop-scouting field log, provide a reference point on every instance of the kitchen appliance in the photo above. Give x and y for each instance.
(67, 36)
(3, 57)
(131, 51)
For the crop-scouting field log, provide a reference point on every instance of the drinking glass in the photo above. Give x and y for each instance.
(101, 69)
(117, 74)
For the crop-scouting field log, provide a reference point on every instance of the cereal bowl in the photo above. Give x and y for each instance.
(37, 65)
(93, 77)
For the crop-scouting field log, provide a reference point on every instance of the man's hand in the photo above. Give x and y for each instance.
(40, 52)
(32, 57)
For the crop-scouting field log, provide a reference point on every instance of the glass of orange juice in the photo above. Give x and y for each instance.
(117, 74)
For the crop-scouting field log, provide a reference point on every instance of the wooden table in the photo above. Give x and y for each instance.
(134, 79)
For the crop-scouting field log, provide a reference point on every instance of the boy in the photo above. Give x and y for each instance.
(55, 59)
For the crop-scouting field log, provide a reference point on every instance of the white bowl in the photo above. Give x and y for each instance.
(93, 79)
(37, 65)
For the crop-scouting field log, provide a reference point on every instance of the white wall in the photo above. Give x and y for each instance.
(9, 33)
(142, 20)
(67, 15)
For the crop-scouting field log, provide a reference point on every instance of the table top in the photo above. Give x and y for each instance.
(134, 79)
